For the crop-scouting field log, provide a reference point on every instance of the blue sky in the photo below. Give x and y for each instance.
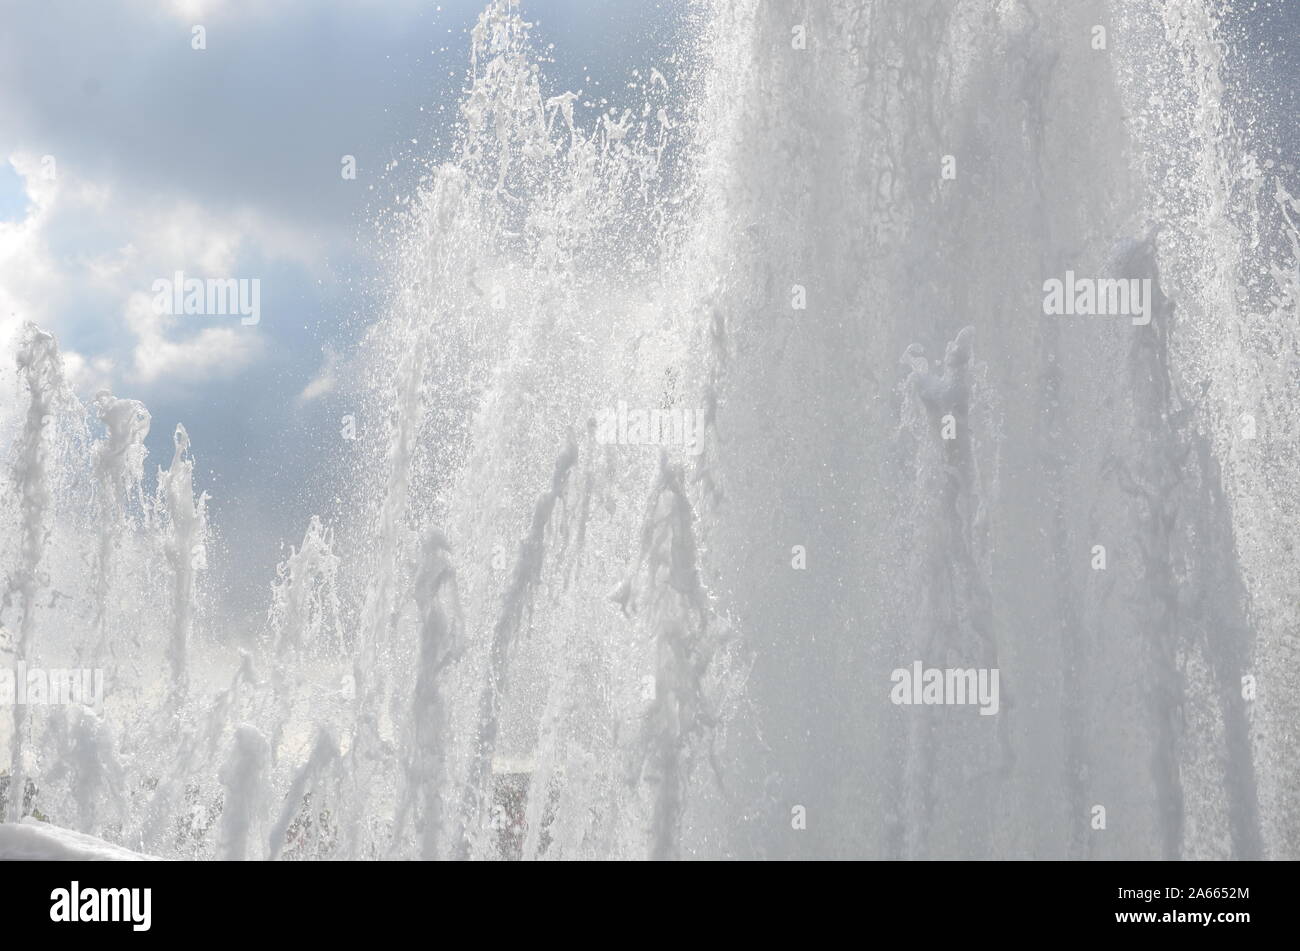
(225, 162)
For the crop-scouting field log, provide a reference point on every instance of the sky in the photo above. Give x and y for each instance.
(127, 155)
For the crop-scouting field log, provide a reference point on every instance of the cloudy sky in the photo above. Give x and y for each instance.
(127, 155)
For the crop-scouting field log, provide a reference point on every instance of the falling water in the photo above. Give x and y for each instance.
(42, 371)
(701, 419)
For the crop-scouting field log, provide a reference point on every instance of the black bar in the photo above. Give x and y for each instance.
(337, 901)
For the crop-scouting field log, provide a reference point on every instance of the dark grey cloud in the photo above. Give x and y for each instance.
(260, 118)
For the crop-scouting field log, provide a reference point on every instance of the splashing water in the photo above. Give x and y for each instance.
(562, 627)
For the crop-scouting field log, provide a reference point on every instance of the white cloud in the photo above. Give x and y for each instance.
(28, 277)
(323, 382)
(212, 352)
(97, 295)
(87, 376)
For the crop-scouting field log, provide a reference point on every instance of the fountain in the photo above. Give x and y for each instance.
(543, 636)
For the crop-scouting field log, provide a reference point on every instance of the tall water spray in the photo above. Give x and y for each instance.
(38, 363)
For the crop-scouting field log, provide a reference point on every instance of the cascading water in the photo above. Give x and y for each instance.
(670, 485)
